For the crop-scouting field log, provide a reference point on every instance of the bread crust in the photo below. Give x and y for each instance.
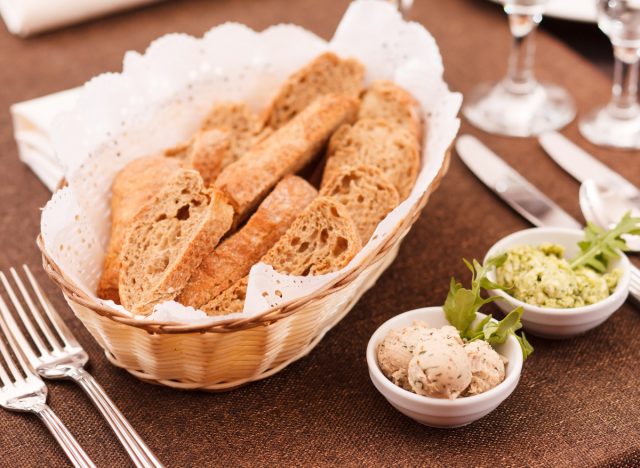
(168, 239)
(244, 127)
(326, 74)
(384, 99)
(248, 180)
(233, 258)
(134, 186)
(366, 193)
(378, 143)
(208, 153)
(321, 240)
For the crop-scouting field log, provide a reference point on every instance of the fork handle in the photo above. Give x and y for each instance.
(140, 454)
(69, 444)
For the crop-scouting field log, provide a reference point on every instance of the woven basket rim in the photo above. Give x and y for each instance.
(75, 293)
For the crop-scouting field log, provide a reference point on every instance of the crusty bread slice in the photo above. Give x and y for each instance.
(169, 238)
(326, 74)
(226, 134)
(208, 153)
(245, 128)
(233, 258)
(321, 240)
(134, 186)
(386, 100)
(248, 180)
(366, 193)
(378, 143)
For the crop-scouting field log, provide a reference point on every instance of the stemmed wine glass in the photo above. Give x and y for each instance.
(519, 105)
(617, 124)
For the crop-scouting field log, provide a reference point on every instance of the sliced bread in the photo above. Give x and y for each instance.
(248, 180)
(326, 74)
(243, 126)
(386, 100)
(321, 240)
(168, 239)
(208, 153)
(366, 193)
(134, 186)
(378, 143)
(233, 258)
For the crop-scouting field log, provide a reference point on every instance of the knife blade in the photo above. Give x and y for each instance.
(582, 166)
(509, 185)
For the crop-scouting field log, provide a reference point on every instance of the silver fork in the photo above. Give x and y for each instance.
(25, 391)
(62, 357)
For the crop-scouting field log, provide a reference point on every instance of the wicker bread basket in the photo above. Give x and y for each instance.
(235, 352)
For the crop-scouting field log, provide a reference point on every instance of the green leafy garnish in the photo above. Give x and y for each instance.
(599, 246)
(527, 349)
(461, 305)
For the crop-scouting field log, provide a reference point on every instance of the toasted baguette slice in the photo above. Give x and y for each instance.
(326, 74)
(233, 258)
(134, 186)
(321, 240)
(367, 195)
(208, 153)
(378, 143)
(386, 100)
(248, 180)
(168, 239)
(244, 127)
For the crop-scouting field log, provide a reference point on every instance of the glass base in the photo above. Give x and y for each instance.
(603, 129)
(494, 109)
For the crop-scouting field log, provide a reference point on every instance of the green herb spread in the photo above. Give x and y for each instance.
(541, 276)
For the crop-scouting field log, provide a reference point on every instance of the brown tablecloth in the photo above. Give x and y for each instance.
(577, 402)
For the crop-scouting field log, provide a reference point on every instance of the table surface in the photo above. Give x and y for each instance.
(577, 402)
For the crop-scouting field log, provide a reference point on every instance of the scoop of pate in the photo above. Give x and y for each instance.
(396, 350)
(440, 367)
(487, 367)
(436, 362)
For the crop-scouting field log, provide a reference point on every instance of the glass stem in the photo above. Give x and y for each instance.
(624, 102)
(520, 79)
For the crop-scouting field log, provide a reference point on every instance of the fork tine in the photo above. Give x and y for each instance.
(4, 377)
(35, 313)
(6, 380)
(3, 373)
(17, 350)
(23, 316)
(17, 334)
(13, 369)
(62, 329)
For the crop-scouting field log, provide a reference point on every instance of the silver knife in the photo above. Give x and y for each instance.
(509, 185)
(582, 166)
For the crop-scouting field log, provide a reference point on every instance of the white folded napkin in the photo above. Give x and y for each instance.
(27, 17)
(32, 128)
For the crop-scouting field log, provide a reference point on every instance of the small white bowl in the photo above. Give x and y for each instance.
(437, 412)
(550, 322)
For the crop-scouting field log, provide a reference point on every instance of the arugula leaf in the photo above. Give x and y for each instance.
(497, 333)
(600, 246)
(527, 349)
(461, 305)
(477, 332)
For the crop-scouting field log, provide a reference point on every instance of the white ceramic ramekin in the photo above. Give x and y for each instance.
(437, 412)
(553, 322)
